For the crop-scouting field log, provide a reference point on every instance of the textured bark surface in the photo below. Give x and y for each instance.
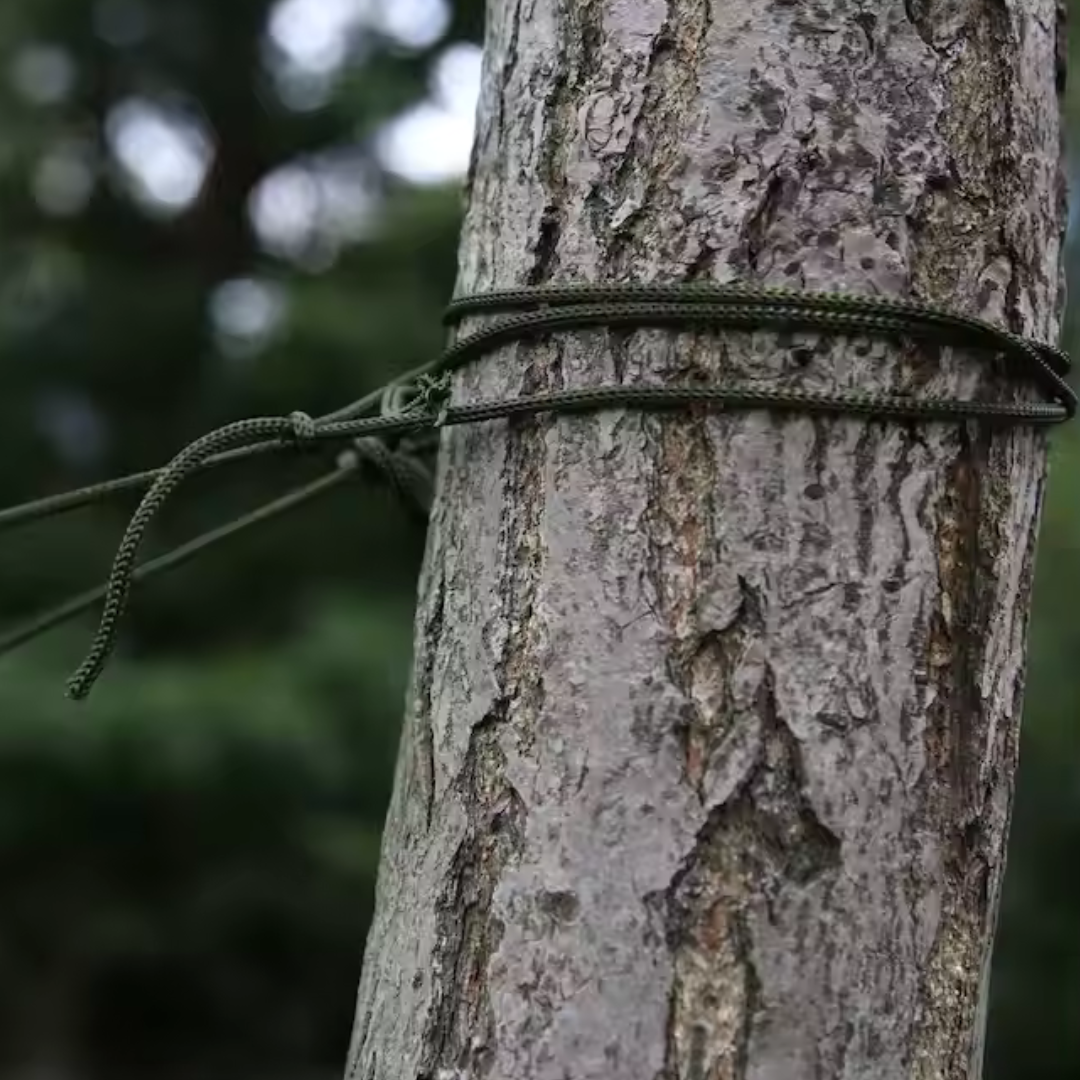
(709, 753)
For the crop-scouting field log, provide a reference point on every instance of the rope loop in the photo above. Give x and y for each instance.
(412, 408)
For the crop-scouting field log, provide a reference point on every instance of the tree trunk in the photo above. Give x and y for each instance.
(710, 746)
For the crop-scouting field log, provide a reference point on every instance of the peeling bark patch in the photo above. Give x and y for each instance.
(917, 12)
(949, 999)
(800, 845)
(954, 647)
(756, 229)
(425, 740)
(717, 666)
(864, 464)
(680, 559)
(558, 118)
(559, 907)
(753, 850)
(712, 669)
(467, 934)
(509, 63)
(521, 679)
(956, 736)
(547, 246)
(638, 177)
(867, 22)
(457, 1031)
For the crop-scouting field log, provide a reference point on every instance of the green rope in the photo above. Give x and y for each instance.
(903, 317)
(394, 399)
(69, 609)
(66, 501)
(416, 404)
(410, 480)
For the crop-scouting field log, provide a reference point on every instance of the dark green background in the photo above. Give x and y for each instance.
(187, 860)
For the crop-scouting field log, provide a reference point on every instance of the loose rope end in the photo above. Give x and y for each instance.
(80, 683)
(78, 686)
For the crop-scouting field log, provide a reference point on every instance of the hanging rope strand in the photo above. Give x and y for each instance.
(76, 605)
(409, 478)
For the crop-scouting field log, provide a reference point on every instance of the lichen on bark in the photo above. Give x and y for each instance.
(709, 753)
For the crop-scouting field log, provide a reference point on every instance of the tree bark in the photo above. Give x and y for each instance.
(709, 753)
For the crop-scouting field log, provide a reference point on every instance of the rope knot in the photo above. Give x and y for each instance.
(303, 427)
(397, 399)
(433, 392)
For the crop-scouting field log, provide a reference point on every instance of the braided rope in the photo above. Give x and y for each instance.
(413, 407)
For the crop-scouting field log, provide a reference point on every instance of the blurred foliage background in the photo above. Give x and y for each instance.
(212, 209)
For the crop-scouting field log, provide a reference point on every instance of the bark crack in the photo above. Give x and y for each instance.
(761, 842)
(509, 64)
(426, 743)
(918, 14)
(457, 1030)
(756, 228)
(762, 670)
(639, 177)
